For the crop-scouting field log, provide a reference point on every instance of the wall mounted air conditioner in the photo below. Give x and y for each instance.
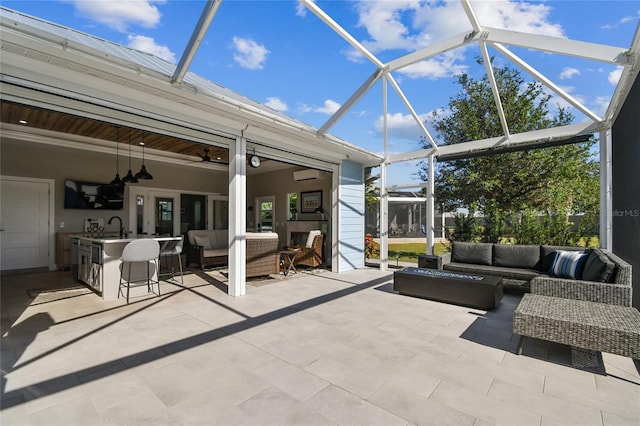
(309, 174)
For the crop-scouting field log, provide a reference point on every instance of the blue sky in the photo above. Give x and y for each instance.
(281, 54)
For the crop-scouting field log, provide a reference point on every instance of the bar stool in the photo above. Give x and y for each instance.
(144, 251)
(168, 250)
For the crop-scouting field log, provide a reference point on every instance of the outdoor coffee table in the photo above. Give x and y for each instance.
(287, 257)
(472, 290)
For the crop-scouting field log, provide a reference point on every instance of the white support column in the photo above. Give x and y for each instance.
(384, 219)
(430, 207)
(606, 200)
(237, 217)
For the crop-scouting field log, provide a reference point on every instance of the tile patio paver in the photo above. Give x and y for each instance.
(312, 349)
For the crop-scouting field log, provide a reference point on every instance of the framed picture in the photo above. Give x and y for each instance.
(310, 201)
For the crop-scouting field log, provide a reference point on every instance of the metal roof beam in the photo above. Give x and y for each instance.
(313, 7)
(544, 80)
(353, 99)
(432, 50)
(494, 88)
(627, 78)
(198, 34)
(473, 19)
(563, 46)
(412, 111)
(559, 132)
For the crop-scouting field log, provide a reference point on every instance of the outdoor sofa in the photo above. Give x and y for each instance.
(525, 267)
(211, 248)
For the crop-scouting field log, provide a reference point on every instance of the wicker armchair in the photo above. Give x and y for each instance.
(310, 256)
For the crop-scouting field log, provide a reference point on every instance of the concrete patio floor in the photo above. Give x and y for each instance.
(312, 349)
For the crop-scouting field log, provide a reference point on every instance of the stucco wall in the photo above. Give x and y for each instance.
(626, 186)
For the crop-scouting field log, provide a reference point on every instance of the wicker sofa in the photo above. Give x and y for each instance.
(211, 248)
(207, 247)
(524, 267)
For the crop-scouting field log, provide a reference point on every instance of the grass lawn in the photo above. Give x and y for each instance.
(409, 252)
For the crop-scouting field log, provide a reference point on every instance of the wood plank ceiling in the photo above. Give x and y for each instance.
(66, 123)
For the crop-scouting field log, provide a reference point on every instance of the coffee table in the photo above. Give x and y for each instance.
(472, 290)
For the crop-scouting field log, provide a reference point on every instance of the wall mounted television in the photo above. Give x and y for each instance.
(92, 196)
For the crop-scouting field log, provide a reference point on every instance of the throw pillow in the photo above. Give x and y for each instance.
(598, 267)
(568, 264)
(203, 241)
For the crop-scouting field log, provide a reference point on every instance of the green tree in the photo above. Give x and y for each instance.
(372, 194)
(553, 181)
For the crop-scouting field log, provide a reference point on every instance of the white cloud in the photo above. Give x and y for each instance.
(277, 104)
(442, 66)
(400, 126)
(301, 9)
(600, 105)
(614, 76)
(568, 73)
(330, 106)
(249, 54)
(119, 14)
(147, 44)
(409, 25)
(624, 20)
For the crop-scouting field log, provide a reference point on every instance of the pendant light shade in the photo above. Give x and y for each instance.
(143, 174)
(117, 182)
(130, 178)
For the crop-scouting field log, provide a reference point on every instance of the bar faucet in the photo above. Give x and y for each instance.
(121, 227)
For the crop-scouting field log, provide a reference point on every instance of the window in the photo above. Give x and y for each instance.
(293, 206)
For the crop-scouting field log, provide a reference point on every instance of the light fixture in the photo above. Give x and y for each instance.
(117, 181)
(143, 174)
(130, 178)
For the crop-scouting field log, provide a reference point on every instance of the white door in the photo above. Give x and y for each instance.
(24, 224)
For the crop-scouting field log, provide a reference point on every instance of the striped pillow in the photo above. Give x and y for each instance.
(568, 264)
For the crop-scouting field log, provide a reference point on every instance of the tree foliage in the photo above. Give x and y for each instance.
(553, 181)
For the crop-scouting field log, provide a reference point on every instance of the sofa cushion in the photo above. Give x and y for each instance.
(500, 271)
(203, 241)
(215, 252)
(548, 255)
(598, 267)
(516, 256)
(475, 253)
(568, 264)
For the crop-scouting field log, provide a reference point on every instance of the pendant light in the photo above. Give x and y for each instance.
(130, 178)
(143, 174)
(117, 182)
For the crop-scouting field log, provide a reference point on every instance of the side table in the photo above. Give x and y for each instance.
(287, 258)
(429, 261)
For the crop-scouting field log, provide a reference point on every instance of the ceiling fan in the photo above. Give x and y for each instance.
(207, 159)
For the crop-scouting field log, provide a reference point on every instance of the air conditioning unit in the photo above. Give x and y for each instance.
(309, 174)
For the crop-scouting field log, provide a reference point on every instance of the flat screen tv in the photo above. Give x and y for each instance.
(92, 196)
